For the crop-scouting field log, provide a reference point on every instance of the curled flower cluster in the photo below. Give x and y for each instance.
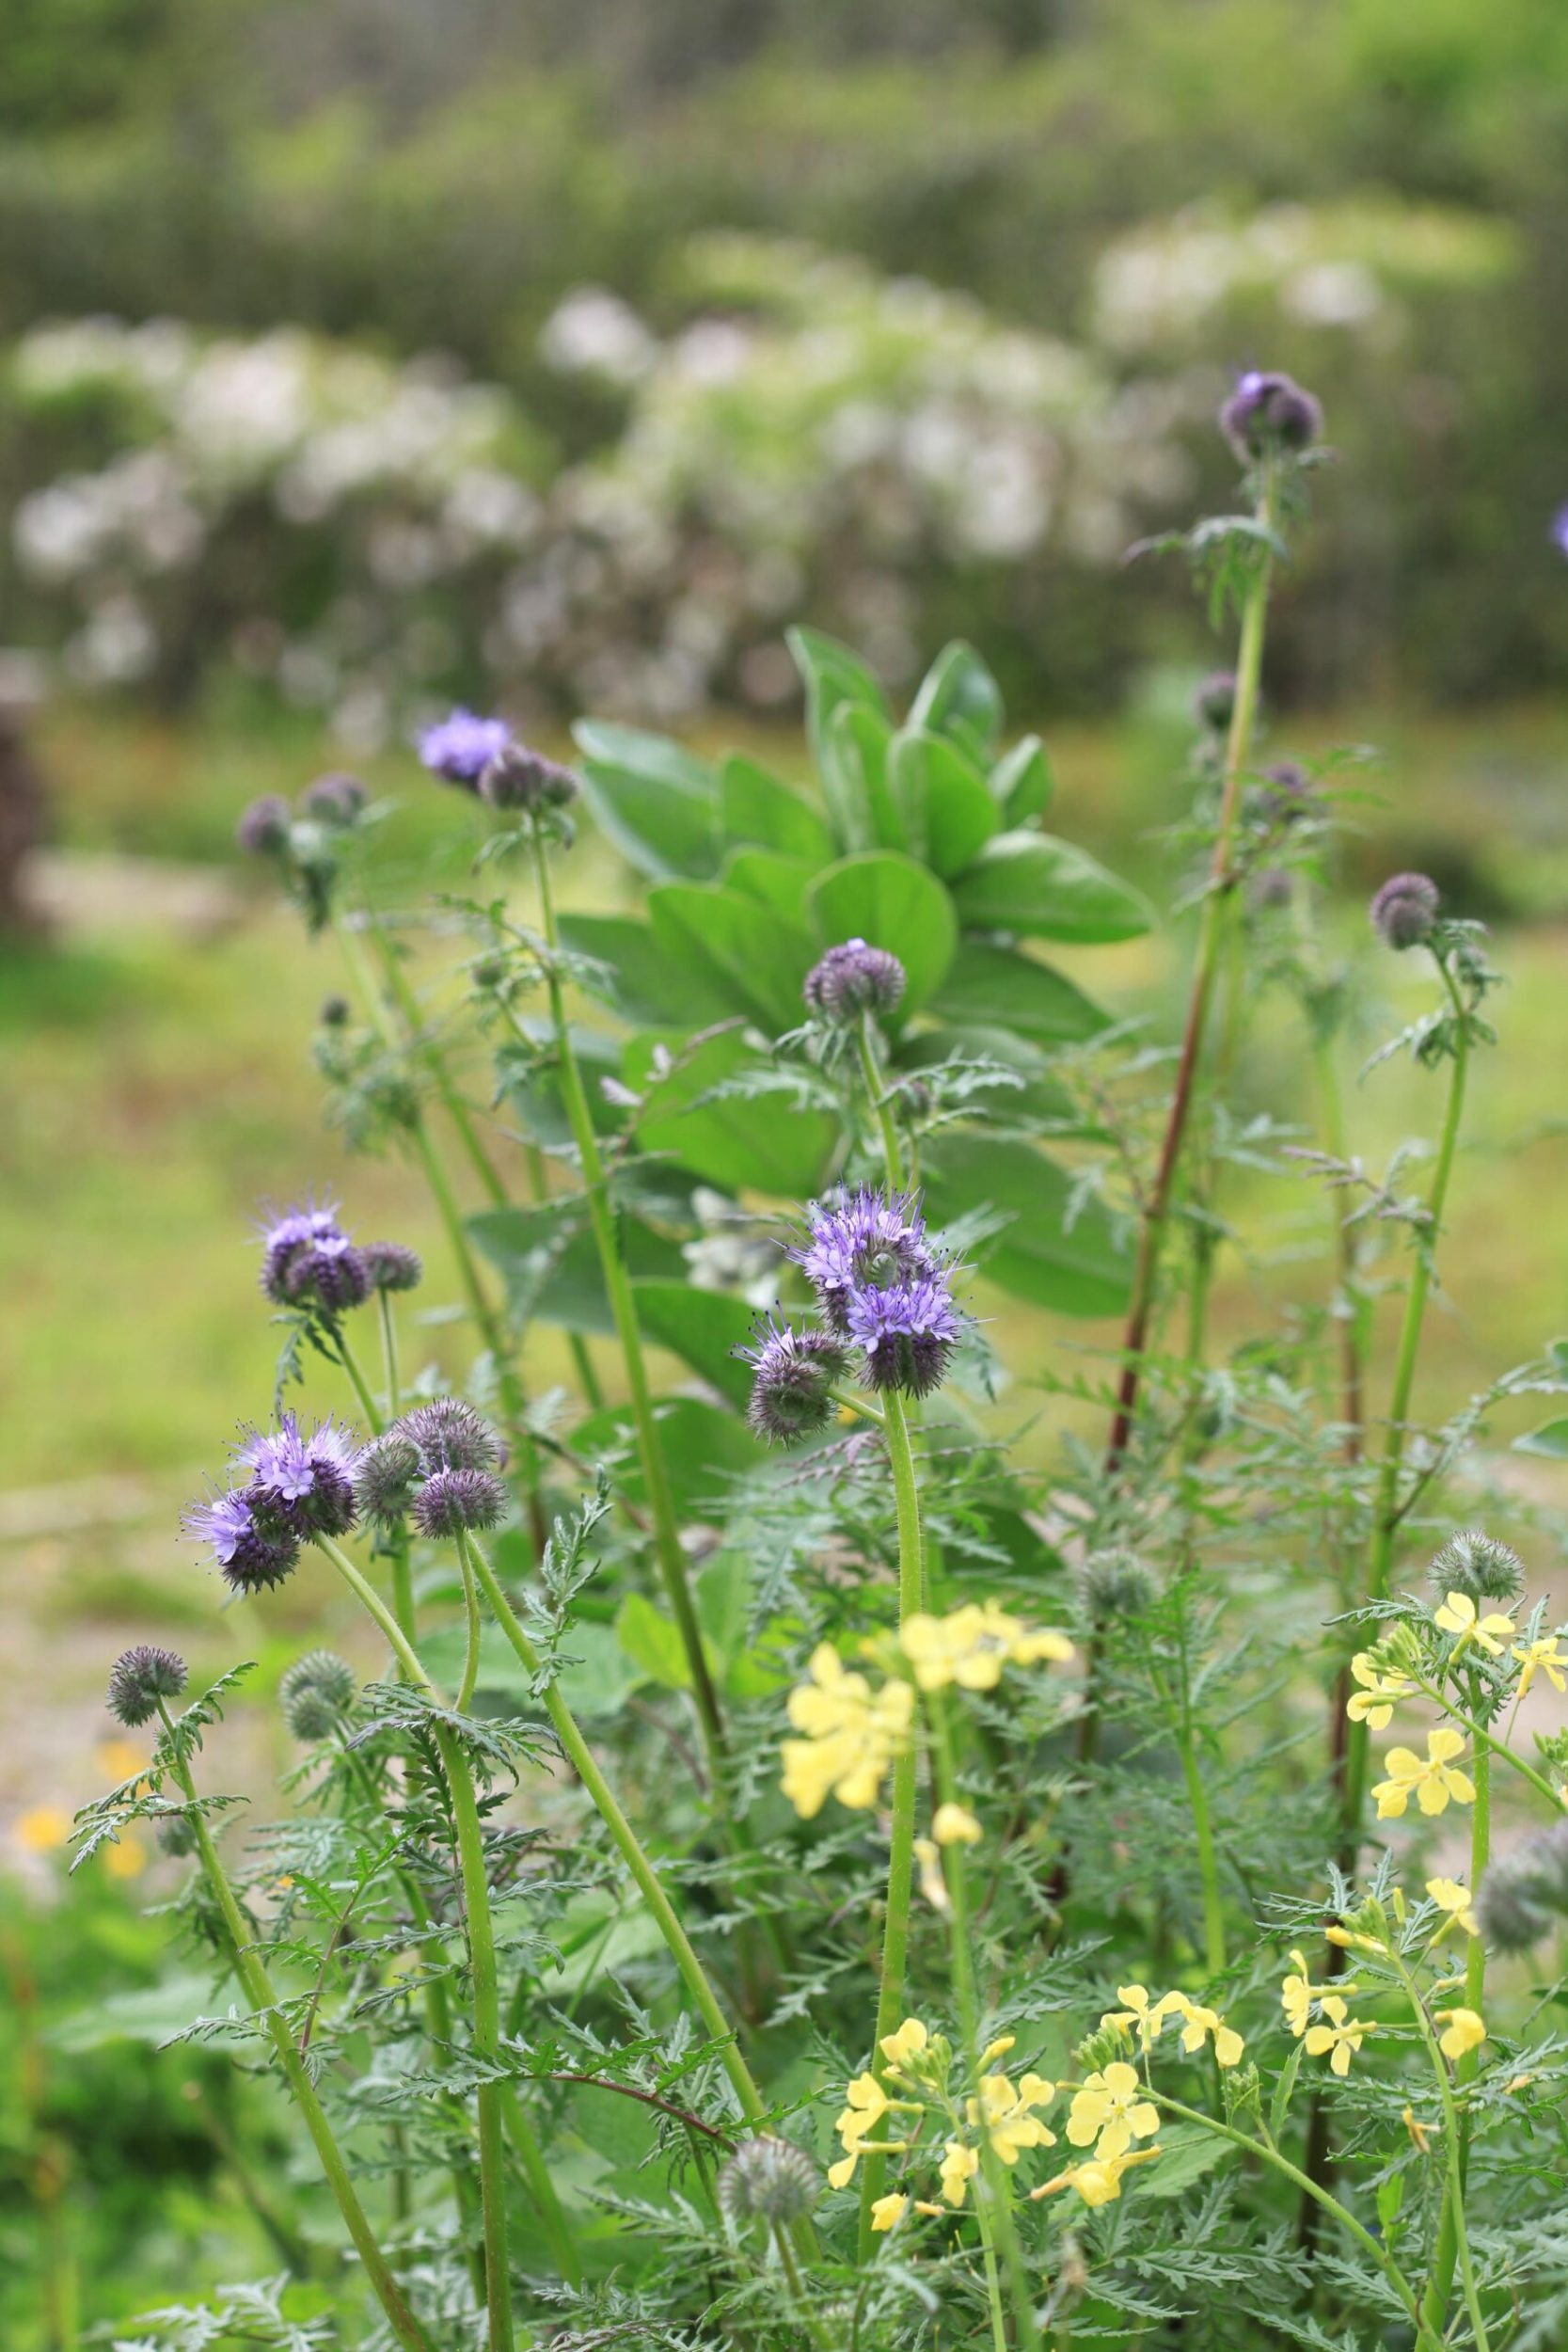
(307, 1260)
(1404, 912)
(306, 840)
(317, 1693)
(878, 1281)
(1479, 1565)
(852, 979)
(1269, 413)
(437, 1463)
(299, 1487)
(139, 1678)
(1524, 1892)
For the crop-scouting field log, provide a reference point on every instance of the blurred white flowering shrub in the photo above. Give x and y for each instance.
(887, 458)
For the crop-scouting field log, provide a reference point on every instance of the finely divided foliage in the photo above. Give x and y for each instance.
(819, 1867)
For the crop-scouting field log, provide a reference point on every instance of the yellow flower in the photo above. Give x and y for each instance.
(958, 2166)
(1466, 2031)
(1420, 2138)
(1198, 2022)
(1460, 1617)
(1007, 2116)
(1149, 2020)
(1542, 1657)
(126, 1858)
(887, 2212)
(932, 1883)
(954, 1825)
(852, 1733)
(842, 2173)
(1297, 1995)
(1373, 1703)
(118, 1759)
(1110, 2111)
(41, 1829)
(907, 2044)
(1339, 2036)
(971, 1645)
(1430, 1779)
(1099, 2180)
(1451, 1896)
(868, 2105)
(999, 2048)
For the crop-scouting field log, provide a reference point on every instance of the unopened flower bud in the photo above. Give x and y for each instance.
(316, 1693)
(455, 1501)
(390, 1266)
(1405, 910)
(854, 979)
(524, 779)
(336, 800)
(263, 827)
(795, 1375)
(1269, 412)
(1525, 1892)
(385, 1477)
(1215, 701)
(140, 1677)
(450, 1435)
(1478, 1567)
(769, 2180)
(1116, 1584)
(336, 1012)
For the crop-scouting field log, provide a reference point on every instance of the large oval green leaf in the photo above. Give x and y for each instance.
(648, 986)
(740, 1142)
(958, 697)
(734, 943)
(836, 678)
(1034, 884)
(702, 1327)
(758, 807)
(894, 903)
(947, 810)
(656, 801)
(990, 988)
(1074, 1260)
(1021, 782)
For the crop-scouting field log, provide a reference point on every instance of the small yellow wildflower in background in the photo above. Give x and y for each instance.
(1420, 2137)
(41, 1829)
(1373, 1704)
(887, 2212)
(852, 1735)
(1542, 1657)
(971, 1645)
(118, 1759)
(1197, 2024)
(1466, 2031)
(958, 2166)
(928, 1856)
(1008, 2115)
(1451, 1896)
(1430, 1779)
(1460, 1617)
(954, 1825)
(1098, 2182)
(1339, 2036)
(126, 1856)
(1111, 2111)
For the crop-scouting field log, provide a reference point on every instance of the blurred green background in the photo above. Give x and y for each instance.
(361, 355)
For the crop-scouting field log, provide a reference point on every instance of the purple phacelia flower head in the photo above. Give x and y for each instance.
(795, 1373)
(1404, 912)
(907, 1330)
(861, 1236)
(1269, 412)
(1215, 700)
(335, 800)
(300, 1486)
(306, 1259)
(524, 781)
(139, 1678)
(456, 1500)
(461, 747)
(386, 1478)
(263, 827)
(251, 1555)
(450, 1435)
(388, 1266)
(854, 979)
(1285, 793)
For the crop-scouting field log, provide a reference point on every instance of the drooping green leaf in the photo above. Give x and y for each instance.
(947, 811)
(702, 1327)
(894, 903)
(1048, 889)
(960, 698)
(731, 943)
(649, 987)
(656, 801)
(989, 987)
(1550, 1439)
(1021, 782)
(757, 807)
(1079, 1269)
(737, 1144)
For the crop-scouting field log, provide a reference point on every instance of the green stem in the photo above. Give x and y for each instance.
(877, 1101)
(1386, 1512)
(434, 1061)
(1222, 883)
(391, 1377)
(1484, 1743)
(257, 1985)
(1434, 2302)
(350, 1363)
(995, 2207)
(656, 1476)
(470, 1658)
(1448, 2230)
(1426, 2339)
(627, 1845)
(900, 1868)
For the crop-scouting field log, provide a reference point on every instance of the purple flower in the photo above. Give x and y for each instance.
(251, 1555)
(139, 1678)
(461, 747)
(519, 778)
(385, 1476)
(300, 1486)
(791, 1395)
(335, 800)
(450, 1435)
(1286, 793)
(861, 1236)
(908, 1329)
(1405, 910)
(388, 1266)
(854, 979)
(455, 1499)
(1560, 530)
(1269, 411)
(306, 1257)
(263, 827)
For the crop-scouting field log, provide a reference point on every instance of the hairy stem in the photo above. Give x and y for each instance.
(1450, 2228)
